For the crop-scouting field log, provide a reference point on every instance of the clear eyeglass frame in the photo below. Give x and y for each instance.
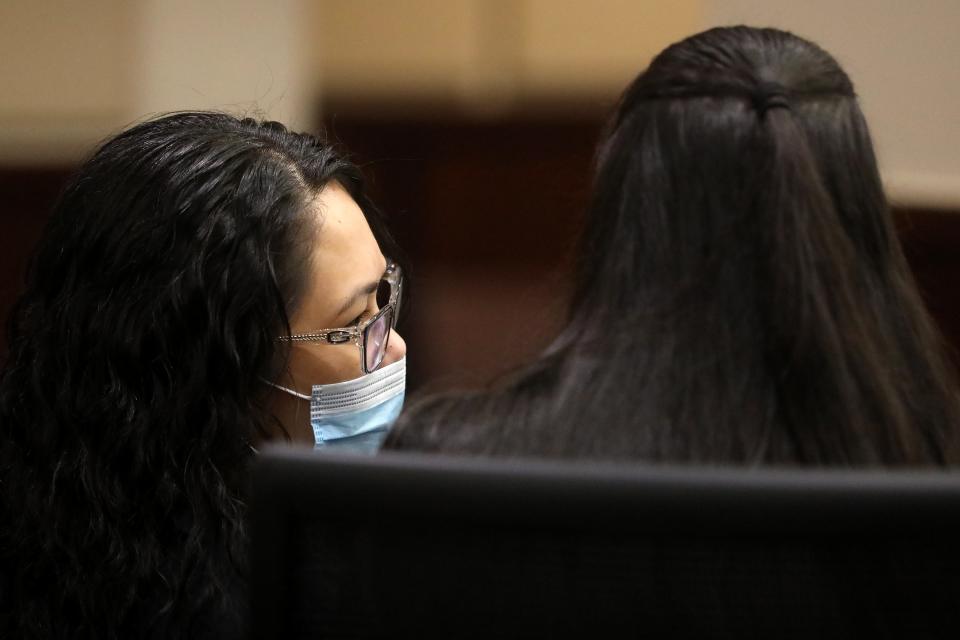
(360, 334)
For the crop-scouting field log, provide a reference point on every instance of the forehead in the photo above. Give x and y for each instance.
(345, 256)
(344, 237)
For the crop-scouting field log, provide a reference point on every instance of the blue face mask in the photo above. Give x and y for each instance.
(356, 415)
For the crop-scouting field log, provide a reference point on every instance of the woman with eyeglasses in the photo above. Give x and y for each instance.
(344, 382)
(741, 296)
(195, 265)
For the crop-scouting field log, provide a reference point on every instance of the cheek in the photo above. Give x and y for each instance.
(325, 364)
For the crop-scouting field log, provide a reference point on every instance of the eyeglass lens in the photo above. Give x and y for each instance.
(384, 291)
(376, 337)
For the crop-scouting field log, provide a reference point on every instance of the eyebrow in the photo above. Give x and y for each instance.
(361, 292)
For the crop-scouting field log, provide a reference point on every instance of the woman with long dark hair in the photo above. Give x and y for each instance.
(196, 268)
(741, 296)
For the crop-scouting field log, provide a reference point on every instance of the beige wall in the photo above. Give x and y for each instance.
(598, 47)
(73, 72)
(492, 55)
(65, 73)
(406, 48)
(246, 56)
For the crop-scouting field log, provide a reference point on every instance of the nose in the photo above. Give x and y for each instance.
(396, 348)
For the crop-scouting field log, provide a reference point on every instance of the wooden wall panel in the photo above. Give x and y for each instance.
(27, 196)
(488, 213)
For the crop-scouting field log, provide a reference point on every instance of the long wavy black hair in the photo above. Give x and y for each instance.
(132, 391)
(741, 296)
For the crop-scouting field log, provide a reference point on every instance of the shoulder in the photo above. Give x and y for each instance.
(442, 424)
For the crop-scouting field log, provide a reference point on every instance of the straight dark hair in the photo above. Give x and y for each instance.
(133, 387)
(741, 294)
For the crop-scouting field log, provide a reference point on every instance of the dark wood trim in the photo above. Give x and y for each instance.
(501, 198)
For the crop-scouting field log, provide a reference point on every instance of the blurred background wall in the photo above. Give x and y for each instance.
(475, 120)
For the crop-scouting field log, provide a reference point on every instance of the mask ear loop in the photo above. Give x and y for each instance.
(292, 392)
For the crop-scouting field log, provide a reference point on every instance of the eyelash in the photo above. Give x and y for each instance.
(357, 320)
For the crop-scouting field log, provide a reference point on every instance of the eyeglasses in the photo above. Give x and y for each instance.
(371, 335)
